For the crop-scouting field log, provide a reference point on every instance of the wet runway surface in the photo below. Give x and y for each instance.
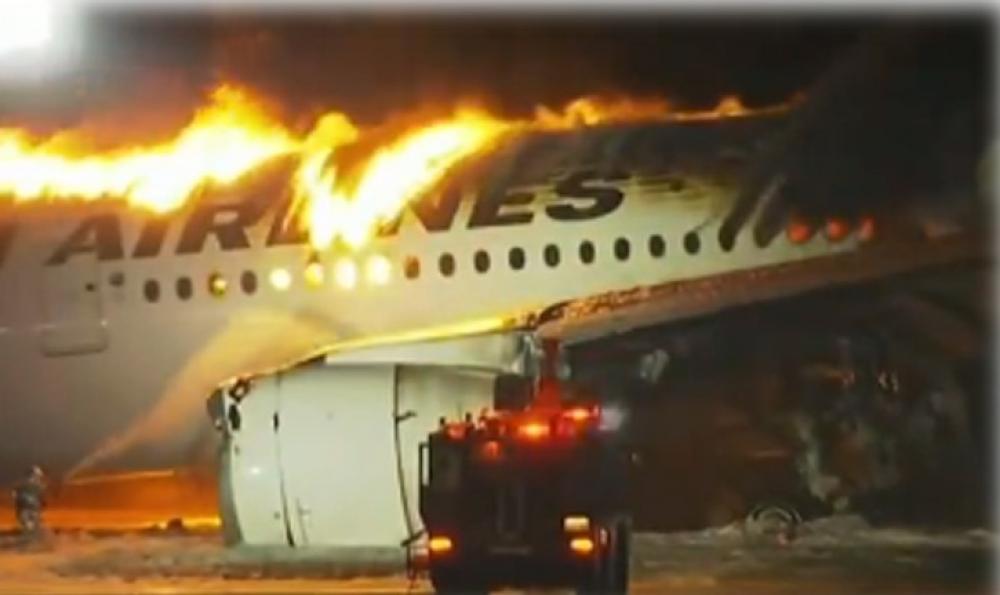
(826, 557)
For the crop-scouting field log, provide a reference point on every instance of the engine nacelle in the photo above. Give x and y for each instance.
(326, 453)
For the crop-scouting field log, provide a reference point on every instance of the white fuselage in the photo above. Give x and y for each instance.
(98, 373)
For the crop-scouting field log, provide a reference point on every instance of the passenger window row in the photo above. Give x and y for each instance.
(517, 258)
(378, 271)
(217, 285)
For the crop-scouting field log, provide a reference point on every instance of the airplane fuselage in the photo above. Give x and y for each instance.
(115, 324)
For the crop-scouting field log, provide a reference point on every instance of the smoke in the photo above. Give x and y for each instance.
(143, 70)
(142, 64)
(371, 67)
(178, 416)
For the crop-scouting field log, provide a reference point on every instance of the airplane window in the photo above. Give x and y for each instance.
(411, 267)
(516, 258)
(446, 264)
(345, 273)
(551, 255)
(586, 252)
(217, 285)
(280, 279)
(726, 242)
(151, 289)
(481, 261)
(657, 247)
(692, 243)
(314, 274)
(378, 269)
(184, 288)
(248, 281)
(622, 249)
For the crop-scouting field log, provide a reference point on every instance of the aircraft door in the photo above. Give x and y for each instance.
(72, 317)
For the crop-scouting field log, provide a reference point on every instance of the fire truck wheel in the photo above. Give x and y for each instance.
(617, 562)
(454, 583)
(611, 572)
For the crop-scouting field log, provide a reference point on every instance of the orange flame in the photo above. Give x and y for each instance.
(591, 111)
(233, 135)
(225, 140)
(393, 175)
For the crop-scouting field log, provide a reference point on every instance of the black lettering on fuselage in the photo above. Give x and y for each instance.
(585, 195)
(227, 222)
(151, 238)
(7, 232)
(602, 199)
(435, 215)
(489, 209)
(100, 234)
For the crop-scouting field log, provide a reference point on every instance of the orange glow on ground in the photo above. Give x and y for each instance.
(128, 501)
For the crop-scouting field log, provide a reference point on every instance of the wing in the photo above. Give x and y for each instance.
(898, 129)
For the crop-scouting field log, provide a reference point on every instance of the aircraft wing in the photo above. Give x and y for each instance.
(615, 313)
(898, 128)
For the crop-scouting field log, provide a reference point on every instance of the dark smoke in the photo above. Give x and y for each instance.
(151, 67)
(371, 66)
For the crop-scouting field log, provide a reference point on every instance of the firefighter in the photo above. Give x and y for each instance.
(29, 500)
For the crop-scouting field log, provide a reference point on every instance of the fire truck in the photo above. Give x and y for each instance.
(529, 493)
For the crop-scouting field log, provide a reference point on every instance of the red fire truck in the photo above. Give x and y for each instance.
(526, 496)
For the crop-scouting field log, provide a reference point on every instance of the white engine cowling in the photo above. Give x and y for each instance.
(325, 454)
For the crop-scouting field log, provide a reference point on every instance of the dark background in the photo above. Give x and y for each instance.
(370, 65)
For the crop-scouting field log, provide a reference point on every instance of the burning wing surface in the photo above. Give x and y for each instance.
(893, 138)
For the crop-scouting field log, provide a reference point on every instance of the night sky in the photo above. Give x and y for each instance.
(371, 66)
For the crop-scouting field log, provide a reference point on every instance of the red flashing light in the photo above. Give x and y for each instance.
(580, 414)
(798, 232)
(534, 430)
(837, 229)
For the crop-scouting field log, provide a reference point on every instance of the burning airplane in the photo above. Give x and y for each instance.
(331, 292)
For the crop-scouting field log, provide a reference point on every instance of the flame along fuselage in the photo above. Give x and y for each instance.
(111, 337)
